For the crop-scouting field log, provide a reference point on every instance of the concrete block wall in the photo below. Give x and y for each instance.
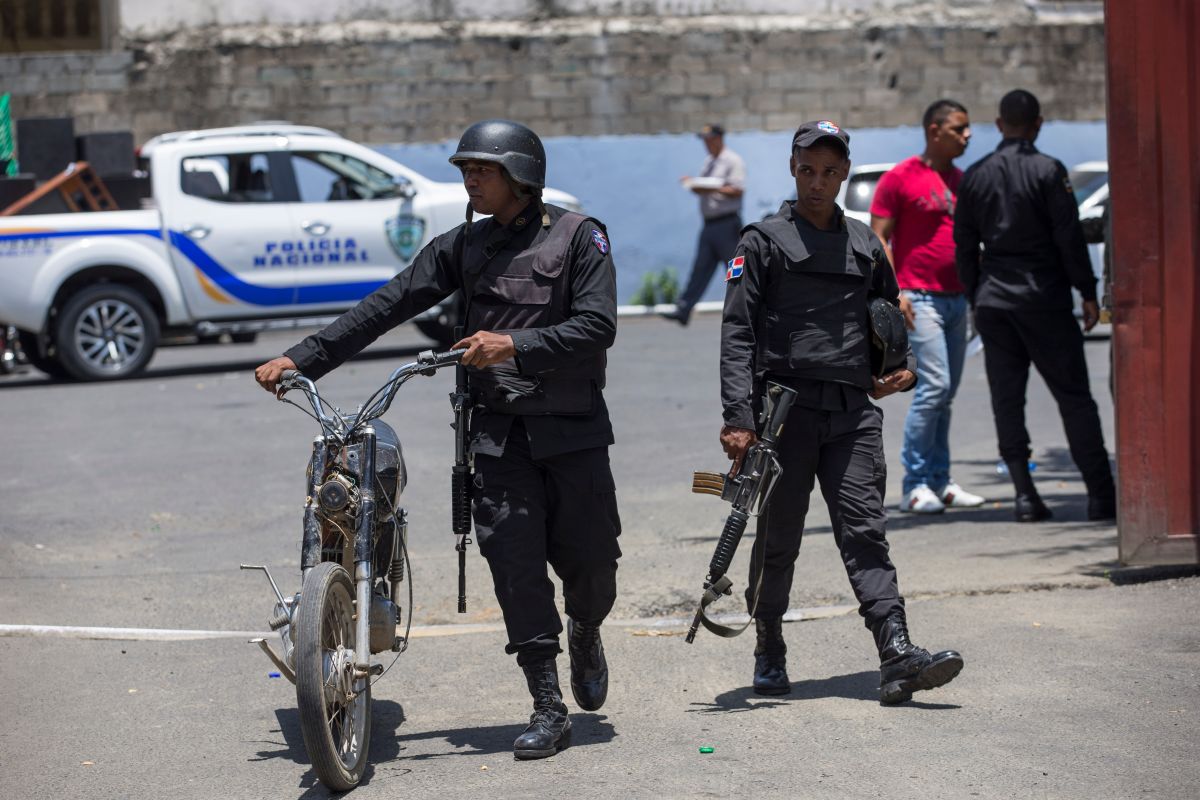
(410, 82)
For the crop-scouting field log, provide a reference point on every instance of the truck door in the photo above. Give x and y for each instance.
(231, 234)
(357, 226)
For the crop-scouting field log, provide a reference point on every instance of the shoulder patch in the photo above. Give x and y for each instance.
(1067, 184)
(601, 242)
(735, 268)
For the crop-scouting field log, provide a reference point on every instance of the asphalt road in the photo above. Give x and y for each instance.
(131, 504)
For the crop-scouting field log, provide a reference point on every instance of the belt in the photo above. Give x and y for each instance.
(933, 292)
(732, 215)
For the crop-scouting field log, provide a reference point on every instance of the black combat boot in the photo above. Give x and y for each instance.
(1101, 506)
(905, 668)
(589, 669)
(1030, 508)
(770, 658)
(549, 728)
(1028, 505)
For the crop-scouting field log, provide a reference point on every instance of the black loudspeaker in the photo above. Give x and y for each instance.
(128, 190)
(45, 145)
(51, 203)
(14, 188)
(109, 153)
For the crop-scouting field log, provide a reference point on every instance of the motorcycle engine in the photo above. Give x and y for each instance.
(339, 496)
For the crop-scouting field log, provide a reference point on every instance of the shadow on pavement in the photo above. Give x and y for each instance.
(34, 378)
(386, 718)
(1129, 576)
(855, 686)
(1052, 463)
(498, 739)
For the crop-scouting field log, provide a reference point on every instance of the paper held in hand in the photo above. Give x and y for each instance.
(703, 183)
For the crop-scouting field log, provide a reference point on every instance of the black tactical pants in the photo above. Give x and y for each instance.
(843, 450)
(560, 511)
(1052, 342)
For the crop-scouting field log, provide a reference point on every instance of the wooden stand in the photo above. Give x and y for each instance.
(80, 187)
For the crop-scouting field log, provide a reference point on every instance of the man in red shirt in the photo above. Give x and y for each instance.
(913, 213)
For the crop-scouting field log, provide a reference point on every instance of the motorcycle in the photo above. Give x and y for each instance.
(354, 556)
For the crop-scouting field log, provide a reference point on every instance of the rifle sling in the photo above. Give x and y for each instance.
(723, 585)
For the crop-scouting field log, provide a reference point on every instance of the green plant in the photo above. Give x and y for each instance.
(645, 294)
(657, 287)
(668, 286)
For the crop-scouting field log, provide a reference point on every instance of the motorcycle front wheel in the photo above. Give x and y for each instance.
(335, 707)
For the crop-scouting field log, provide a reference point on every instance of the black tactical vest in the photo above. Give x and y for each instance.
(529, 290)
(814, 321)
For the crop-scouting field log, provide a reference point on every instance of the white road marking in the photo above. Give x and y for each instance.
(418, 631)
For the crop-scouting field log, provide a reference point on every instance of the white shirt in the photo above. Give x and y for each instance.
(729, 167)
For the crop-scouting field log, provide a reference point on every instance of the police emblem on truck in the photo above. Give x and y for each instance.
(404, 234)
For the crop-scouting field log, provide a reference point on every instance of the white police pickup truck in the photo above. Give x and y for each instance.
(253, 228)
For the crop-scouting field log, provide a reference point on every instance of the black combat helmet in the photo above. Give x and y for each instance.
(889, 337)
(509, 144)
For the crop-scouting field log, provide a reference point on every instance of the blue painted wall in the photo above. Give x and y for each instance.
(632, 182)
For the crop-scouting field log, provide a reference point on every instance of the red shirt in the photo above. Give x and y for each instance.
(921, 201)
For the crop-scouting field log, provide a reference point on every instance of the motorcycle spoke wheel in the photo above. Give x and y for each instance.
(335, 706)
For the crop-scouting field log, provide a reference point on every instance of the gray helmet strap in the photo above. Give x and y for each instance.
(523, 191)
(519, 189)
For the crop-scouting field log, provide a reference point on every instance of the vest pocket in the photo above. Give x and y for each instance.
(835, 343)
(516, 289)
(510, 302)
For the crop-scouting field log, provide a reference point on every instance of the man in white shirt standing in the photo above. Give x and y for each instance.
(721, 207)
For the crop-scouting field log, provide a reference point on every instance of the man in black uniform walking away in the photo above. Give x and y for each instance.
(540, 293)
(1019, 205)
(796, 300)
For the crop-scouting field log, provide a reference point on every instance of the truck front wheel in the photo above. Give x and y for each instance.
(104, 332)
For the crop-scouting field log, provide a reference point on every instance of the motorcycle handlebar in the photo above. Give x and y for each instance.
(427, 363)
(431, 359)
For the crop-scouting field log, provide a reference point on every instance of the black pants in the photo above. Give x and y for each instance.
(843, 450)
(560, 511)
(718, 241)
(1052, 342)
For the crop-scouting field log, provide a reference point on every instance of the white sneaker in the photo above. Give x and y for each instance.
(954, 496)
(922, 500)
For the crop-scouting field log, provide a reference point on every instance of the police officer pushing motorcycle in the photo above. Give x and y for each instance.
(539, 287)
(806, 291)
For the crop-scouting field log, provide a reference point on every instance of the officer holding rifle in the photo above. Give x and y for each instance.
(796, 314)
(540, 292)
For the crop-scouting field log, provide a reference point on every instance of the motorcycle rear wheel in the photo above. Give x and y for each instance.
(335, 708)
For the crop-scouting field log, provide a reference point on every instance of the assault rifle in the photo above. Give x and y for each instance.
(749, 492)
(460, 476)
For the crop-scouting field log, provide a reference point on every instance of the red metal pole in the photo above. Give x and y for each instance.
(1154, 171)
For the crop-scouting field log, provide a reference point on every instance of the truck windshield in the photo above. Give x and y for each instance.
(323, 177)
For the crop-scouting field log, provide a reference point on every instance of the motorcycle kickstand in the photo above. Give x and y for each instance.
(282, 666)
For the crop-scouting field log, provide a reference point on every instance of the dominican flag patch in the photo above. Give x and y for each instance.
(736, 265)
(600, 241)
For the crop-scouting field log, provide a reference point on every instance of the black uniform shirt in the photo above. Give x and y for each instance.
(1019, 204)
(743, 324)
(436, 273)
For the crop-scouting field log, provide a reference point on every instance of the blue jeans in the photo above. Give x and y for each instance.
(939, 343)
